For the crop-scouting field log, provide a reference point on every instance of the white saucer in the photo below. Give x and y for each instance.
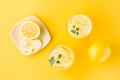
(44, 36)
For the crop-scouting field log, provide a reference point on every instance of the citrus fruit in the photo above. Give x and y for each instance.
(30, 29)
(27, 46)
(37, 44)
(79, 26)
(99, 52)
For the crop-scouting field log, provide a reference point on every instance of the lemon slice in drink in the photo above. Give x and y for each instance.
(61, 57)
(79, 26)
(30, 29)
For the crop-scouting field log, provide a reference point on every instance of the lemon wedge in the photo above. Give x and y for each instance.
(99, 52)
(79, 26)
(30, 29)
(61, 57)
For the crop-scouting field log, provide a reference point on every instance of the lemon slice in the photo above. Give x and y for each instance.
(37, 44)
(30, 29)
(79, 26)
(99, 52)
(61, 57)
(27, 52)
(26, 46)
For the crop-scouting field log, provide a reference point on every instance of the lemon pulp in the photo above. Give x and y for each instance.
(30, 29)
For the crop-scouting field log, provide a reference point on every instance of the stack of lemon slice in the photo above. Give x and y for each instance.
(30, 31)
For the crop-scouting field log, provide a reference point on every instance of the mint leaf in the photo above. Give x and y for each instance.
(77, 33)
(58, 62)
(59, 56)
(77, 29)
(52, 58)
(73, 26)
(52, 61)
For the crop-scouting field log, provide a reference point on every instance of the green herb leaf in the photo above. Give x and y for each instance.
(77, 33)
(73, 31)
(52, 61)
(58, 62)
(77, 29)
(52, 58)
(59, 56)
(73, 26)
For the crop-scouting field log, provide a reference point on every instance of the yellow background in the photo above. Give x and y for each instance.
(105, 16)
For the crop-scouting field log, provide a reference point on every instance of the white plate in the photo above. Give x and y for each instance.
(44, 36)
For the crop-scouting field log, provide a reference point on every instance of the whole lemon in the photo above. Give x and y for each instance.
(99, 52)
